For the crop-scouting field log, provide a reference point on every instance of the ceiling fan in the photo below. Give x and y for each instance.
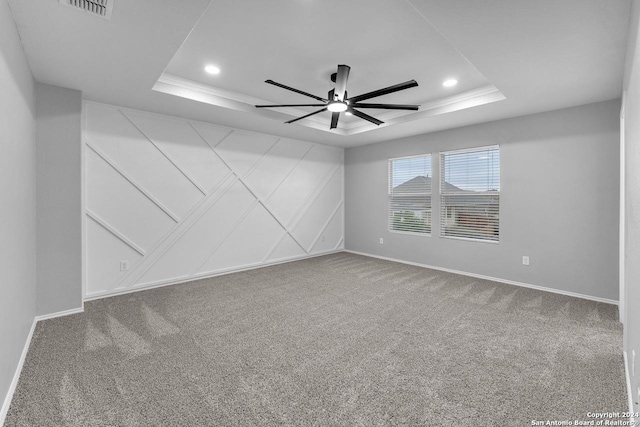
(337, 100)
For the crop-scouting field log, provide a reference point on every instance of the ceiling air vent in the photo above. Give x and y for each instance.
(101, 8)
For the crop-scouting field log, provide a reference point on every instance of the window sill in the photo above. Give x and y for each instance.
(410, 233)
(469, 239)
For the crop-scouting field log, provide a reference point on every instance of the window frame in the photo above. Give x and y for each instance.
(443, 207)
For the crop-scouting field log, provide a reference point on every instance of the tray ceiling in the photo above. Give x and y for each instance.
(300, 43)
(511, 57)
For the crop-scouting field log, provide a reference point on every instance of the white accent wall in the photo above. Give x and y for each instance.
(178, 200)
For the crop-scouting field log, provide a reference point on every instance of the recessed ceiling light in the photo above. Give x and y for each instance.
(450, 82)
(212, 69)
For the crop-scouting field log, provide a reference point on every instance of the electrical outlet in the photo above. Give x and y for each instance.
(124, 265)
(525, 260)
(381, 241)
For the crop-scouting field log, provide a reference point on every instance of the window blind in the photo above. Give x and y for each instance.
(470, 193)
(410, 194)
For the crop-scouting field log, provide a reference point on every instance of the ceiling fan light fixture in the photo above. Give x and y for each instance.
(337, 107)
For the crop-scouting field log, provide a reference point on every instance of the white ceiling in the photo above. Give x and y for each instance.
(511, 57)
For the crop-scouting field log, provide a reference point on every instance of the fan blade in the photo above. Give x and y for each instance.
(271, 82)
(366, 117)
(305, 116)
(334, 120)
(387, 90)
(388, 106)
(341, 81)
(290, 105)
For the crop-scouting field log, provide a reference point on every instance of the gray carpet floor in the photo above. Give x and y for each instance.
(338, 340)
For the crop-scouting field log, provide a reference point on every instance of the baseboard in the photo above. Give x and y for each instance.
(628, 382)
(61, 313)
(187, 279)
(494, 279)
(16, 376)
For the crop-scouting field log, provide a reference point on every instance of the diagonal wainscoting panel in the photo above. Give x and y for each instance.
(192, 218)
(277, 164)
(248, 243)
(332, 234)
(212, 135)
(131, 181)
(181, 200)
(121, 205)
(318, 213)
(182, 144)
(286, 248)
(104, 253)
(242, 151)
(94, 216)
(301, 183)
(112, 133)
(194, 246)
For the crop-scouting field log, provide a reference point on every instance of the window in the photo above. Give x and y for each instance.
(470, 193)
(410, 194)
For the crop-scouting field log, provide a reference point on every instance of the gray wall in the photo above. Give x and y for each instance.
(632, 202)
(559, 200)
(17, 201)
(59, 199)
